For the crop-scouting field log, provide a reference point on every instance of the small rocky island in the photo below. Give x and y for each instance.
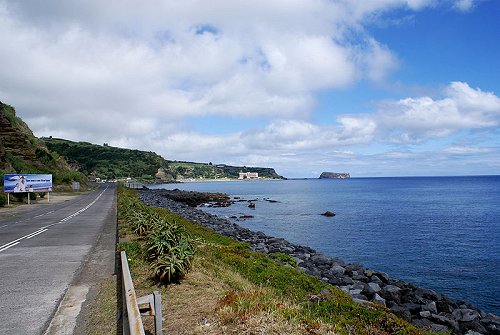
(334, 175)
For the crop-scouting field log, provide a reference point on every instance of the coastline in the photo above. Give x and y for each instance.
(422, 307)
(193, 180)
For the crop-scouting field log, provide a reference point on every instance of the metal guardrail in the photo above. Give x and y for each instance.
(132, 321)
(134, 185)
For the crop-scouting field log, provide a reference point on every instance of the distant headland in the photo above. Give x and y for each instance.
(332, 175)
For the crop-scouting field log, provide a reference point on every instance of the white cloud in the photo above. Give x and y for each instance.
(130, 72)
(418, 119)
(460, 150)
(379, 61)
(408, 120)
(174, 59)
(464, 5)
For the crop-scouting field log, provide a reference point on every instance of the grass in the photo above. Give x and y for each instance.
(232, 290)
(102, 316)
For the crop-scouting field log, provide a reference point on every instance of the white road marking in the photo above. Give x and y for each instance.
(2, 249)
(37, 233)
(44, 229)
(3, 226)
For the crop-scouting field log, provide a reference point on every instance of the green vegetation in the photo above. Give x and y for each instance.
(109, 162)
(3, 200)
(284, 259)
(9, 113)
(166, 244)
(244, 291)
(189, 170)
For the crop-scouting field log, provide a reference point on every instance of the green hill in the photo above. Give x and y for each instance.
(109, 162)
(190, 170)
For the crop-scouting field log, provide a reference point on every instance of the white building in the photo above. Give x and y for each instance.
(248, 175)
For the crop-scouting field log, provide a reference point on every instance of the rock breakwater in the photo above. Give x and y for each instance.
(422, 307)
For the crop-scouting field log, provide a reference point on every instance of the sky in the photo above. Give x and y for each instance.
(372, 88)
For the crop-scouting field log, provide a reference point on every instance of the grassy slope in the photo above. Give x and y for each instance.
(108, 162)
(112, 162)
(232, 290)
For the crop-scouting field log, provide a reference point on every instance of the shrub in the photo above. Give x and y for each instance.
(3, 199)
(168, 246)
(19, 197)
(284, 259)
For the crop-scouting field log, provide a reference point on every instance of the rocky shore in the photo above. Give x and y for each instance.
(422, 307)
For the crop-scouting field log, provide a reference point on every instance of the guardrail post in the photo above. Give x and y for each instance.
(131, 309)
(158, 313)
(132, 321)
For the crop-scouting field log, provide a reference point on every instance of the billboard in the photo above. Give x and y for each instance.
(19, 183)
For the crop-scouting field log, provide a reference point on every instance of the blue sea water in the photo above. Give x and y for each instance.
(441, 233)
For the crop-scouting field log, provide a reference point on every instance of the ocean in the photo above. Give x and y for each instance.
(441, 233)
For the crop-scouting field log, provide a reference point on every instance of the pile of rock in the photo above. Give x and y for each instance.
(424, 308)
(193, 199)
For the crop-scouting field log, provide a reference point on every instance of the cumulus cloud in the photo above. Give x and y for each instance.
(418, 119)
(175, 59)
(130, 73)
(406, 121)
(464, 5)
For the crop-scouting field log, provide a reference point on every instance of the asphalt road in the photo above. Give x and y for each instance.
(41, 253)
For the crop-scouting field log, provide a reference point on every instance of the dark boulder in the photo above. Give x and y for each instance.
(465, 315)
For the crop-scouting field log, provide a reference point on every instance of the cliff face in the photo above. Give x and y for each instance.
(12, 139)
(333, 175)
(21, 151)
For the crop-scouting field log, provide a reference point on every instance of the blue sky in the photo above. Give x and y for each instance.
(373, 88)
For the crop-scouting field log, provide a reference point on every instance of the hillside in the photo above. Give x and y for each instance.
(109, 162)
(22, 152)
(189, 170)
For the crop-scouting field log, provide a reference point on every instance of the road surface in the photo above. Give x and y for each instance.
(42, 251)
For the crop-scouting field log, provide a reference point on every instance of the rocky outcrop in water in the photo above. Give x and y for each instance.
(193, 199)
(334, 175)
(422, 307)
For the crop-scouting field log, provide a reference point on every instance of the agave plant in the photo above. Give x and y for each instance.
(173, 266)
(142, 226)
(169, 246)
